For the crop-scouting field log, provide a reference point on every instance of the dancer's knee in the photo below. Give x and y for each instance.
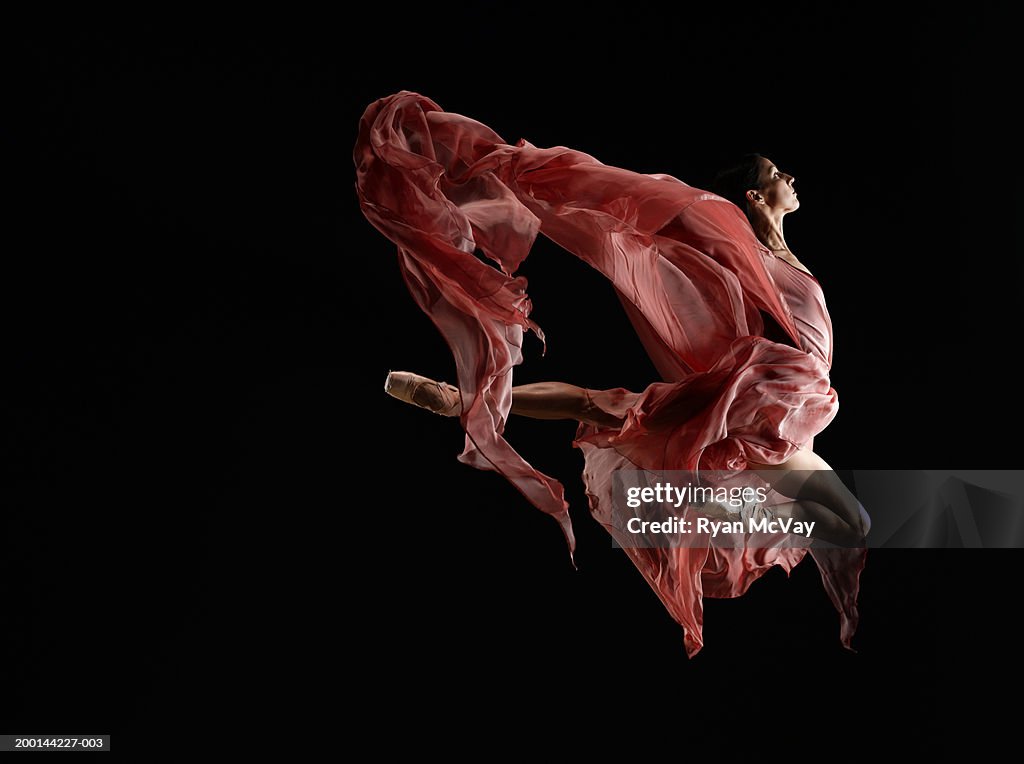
(591, 413)
(865, 520)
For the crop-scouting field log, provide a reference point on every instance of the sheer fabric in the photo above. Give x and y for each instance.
(741, 339)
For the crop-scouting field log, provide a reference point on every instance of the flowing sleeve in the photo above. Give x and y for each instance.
(427, 180)
(720, 230)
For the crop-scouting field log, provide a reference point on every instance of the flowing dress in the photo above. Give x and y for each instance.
(741, 339)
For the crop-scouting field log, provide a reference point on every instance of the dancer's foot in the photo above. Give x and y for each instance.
(756, 511)
(438, 397)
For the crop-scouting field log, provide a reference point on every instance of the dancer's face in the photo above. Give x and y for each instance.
(776, 188)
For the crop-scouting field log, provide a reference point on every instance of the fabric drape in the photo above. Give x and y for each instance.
(464, 208)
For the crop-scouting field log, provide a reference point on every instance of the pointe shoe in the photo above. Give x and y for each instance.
(438, 397)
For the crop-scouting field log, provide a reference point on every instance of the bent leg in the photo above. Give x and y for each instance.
(809, 479)
(559, 400)
(827, 525)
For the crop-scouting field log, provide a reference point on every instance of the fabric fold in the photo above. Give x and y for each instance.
(464, 208)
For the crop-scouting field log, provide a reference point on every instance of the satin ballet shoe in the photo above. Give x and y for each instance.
(437, 397)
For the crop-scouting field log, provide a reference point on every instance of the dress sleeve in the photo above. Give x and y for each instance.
(718, 228)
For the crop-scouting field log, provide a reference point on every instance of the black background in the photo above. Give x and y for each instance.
(214, 517)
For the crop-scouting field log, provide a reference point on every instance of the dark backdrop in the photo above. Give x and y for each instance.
(216, 519)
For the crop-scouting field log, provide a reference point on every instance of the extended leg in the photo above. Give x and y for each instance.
(559, 400)
(810, 480)
(539, 400)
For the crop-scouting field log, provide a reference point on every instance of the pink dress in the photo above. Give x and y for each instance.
(742, 339)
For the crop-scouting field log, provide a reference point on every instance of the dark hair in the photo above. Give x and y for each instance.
(736, 179)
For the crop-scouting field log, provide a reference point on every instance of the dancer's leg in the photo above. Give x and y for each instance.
(559, 400)
(540, 400)
(827, 525)
(822, 496)
(809, 479)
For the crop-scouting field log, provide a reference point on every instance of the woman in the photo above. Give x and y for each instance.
(734, 323)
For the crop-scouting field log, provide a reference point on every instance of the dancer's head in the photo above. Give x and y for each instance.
(755, 185)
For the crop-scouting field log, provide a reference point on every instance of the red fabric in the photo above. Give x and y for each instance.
(695, 282)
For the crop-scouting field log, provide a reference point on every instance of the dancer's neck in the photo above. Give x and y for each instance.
(768, 228)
